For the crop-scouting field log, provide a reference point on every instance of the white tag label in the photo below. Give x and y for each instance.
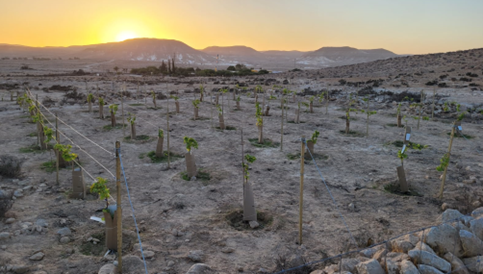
(403, 149)
(460, 128)
(408, 135)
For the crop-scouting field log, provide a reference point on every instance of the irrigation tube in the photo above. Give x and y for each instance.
(134, 217)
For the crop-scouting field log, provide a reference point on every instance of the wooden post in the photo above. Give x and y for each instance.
(327, 103)
(301, 201)
(434, 95)
(167, 127)
(367, 121)
(122, 113)
(57, 140)
(243, 162)
(119, 209)
(441, 189)
(212, 106)
(281, 130)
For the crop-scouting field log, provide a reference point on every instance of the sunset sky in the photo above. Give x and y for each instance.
(402, 26)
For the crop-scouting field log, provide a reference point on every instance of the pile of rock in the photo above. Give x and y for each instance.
(455, 246)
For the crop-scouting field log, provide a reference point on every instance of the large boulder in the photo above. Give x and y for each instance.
(427, 269)
(370, 267)
(457, 266)
(443, 239)
(476, 226)
(472, 245)
(474, 264)
(450, 215)
(477, 213)
(423, 246)
(408, 267)
(426, 258)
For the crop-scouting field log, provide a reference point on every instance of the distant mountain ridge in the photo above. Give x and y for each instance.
(157, 50)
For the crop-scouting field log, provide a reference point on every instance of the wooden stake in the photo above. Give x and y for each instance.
(441, 189)
(281, 130)
(301, 201)
(212, 106)
(119, 209)
(122, 113)
(243, 162)
(57, 139)
(434, 95)
(167, 127)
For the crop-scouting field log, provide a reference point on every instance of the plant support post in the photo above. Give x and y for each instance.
(441, 189)
(57, 156)
(301, 201)
(118, 208)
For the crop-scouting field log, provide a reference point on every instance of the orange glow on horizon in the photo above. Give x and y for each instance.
(303, 25)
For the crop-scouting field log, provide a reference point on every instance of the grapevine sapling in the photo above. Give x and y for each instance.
(220, 117)
(131, 118)
(101, 108)
(369, 113)
(90, 100)
(249, 212)
(196, 107)
(153, 95)
(176, 102)
(159, 146)
(189, 157)
(259, 117)
(113, 110)
(311, 142)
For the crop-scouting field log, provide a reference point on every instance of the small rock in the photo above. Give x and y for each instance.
(107, 269)
(4, 235)
(228, 250)
(131, 264)
(42, 223)
(10, 220)
(64, 239)
(170, 264)
(148, 254)
(20, 269)
(37, 256)
(198, 269)
(444, 206)
(193, 178)
(196, 255)
(253, 224)
(368, 253)
(3, 247)
(64, 231)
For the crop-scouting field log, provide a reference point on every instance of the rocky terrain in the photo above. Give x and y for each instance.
(195, 226)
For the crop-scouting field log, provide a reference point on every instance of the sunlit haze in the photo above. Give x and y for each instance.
(404, 27)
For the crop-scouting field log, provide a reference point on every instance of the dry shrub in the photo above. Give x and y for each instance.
(10, 166)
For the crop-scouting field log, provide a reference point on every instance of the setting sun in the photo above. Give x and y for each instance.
(126, 35)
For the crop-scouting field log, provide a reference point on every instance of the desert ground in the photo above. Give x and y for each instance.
(176, 216)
